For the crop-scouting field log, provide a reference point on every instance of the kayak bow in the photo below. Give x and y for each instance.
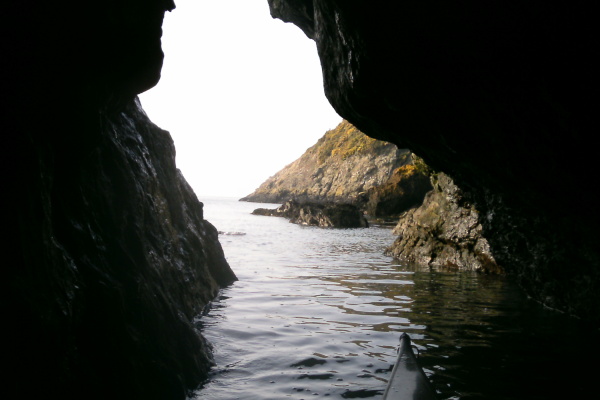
(408, 381)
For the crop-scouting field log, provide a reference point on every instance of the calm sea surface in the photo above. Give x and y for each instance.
(317, 313)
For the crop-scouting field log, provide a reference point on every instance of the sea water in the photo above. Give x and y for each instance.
(317, 313)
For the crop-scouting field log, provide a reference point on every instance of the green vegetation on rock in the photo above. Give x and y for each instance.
(341, 167)
(345, 141)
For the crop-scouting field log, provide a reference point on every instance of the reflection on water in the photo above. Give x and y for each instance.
(485, 340)
(318, 313)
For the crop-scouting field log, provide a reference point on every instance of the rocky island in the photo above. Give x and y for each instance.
(339, 168)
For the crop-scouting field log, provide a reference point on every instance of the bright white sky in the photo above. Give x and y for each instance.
(241, 94)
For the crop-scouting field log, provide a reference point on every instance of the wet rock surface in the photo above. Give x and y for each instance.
(501, 99)
(405, 189)
(113, 262)
(313, 214)
(443, 232)
(108, 259)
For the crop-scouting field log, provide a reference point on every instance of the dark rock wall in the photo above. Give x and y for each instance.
(116, 262)
(107, 259)
(500, 96)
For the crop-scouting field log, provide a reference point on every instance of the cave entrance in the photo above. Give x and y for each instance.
(241, 94)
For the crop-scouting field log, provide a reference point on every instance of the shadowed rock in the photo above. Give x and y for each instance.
(108, 259)
(405, 189)
(323, 215)
(500, 97)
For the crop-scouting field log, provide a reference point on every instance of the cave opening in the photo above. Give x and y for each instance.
(109, 259)
(241, 93)
(438, 286)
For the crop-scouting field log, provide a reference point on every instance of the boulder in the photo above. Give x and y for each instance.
(444, 231)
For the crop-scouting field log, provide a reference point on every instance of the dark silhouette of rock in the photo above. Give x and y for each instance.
(500, 97)
(329, 215)
(107, 257)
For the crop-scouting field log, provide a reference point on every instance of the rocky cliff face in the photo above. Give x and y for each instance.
(340, 167)
(499, 97)
(107, 257)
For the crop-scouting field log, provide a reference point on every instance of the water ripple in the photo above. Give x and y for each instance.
(317, 314)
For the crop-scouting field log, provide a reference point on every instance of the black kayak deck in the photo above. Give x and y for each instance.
(408, 381)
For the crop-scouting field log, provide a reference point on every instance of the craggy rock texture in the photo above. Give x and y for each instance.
(502, 97)
(405, 189)
(324, 215)
(340, 167)
(443, 232)
(107, 259)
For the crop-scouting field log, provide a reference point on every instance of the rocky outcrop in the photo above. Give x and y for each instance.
(444, 231)
(107, 257)
(324, 215)
(500, 98)
(340, 167)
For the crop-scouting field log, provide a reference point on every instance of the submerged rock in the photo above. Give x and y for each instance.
(232, 233)
(324, 215)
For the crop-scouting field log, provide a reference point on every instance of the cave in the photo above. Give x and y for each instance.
(101, 285)
(498, 96)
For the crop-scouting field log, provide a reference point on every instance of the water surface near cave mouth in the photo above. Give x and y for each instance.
(318, 312)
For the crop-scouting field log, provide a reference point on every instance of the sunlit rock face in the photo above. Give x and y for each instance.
(341, 167)
(107, 258)
(502, 98)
